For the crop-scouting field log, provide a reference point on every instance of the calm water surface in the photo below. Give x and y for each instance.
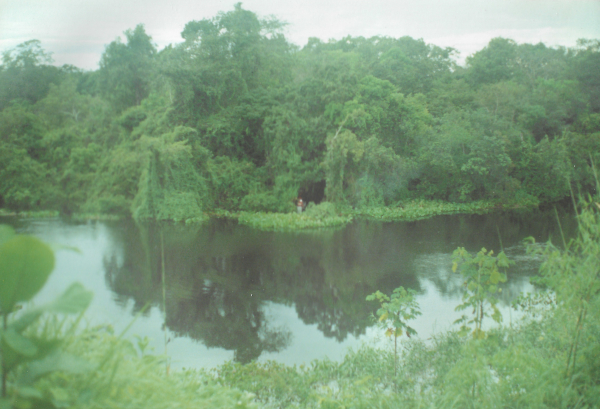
(234, 293)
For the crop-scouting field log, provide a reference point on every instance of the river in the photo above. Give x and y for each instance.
(234, 293)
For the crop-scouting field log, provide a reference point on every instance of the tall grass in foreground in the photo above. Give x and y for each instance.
(126, 376)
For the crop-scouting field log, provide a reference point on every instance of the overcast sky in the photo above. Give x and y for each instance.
(76, 31)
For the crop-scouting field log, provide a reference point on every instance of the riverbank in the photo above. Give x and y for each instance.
(52, 214)
(323, 215)
(326, 215)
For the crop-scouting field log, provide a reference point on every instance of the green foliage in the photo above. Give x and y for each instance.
(23, 179)
(117, 180)
(25, 264)
(230, 181)
(126, 375)
(224, 59)
(291, 221)
(26, 74)
(422, 209)
(126, 69)
(587, 56)
(170, 188)
(264, 202)
(573, 275)
(487, 170)
(482, 278)
(395, 311)
(321, 210)
(496, 62)
(344, 151)
(357, 382)
(378, 119)
(545, 169)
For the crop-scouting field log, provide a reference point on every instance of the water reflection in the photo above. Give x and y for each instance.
(221, 277)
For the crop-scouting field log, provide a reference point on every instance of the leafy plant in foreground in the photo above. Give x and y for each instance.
(25, 264)
(395, 312)
(482, 276)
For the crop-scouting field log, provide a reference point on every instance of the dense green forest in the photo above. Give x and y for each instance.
(236, 118)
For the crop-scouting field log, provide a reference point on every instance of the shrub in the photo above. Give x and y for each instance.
(321, 210)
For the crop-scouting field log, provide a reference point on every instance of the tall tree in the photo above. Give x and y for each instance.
(126, 69)
(495, 63)
(223, 60)
(587, 61)
(26, 73)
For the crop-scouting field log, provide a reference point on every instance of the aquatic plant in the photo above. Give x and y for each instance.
(313, 219)
(422, 209)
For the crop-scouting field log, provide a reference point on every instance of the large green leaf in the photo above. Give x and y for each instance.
(19, 343)
(74, 300)
(44, 347)
(25, 264)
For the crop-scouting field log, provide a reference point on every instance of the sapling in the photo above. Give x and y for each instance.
(482, 278)
(395, 312)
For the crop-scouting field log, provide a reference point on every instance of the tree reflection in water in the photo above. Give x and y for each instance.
(220, 277)
(222, 306)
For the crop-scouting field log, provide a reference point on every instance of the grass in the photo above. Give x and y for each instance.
(124, 375)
